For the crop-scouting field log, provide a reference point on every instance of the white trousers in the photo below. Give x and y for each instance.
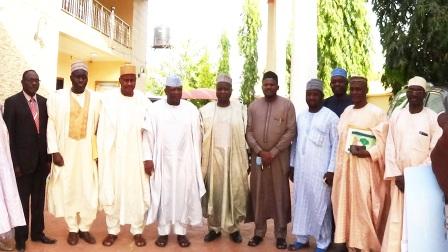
(179, 229)
(83, 224)
(113, 224)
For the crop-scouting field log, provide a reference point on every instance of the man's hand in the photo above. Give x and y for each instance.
(359, 151)
(291, 174)
(18, 171)
(57, 159)
(399, 182)
(149, 167)
(328, 178)
(266, 157)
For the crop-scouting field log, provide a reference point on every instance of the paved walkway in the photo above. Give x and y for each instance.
(57, 229)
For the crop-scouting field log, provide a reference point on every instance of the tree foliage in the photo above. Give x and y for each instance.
(414, 35)
(154, 86)
(197, 73)
(288, 66)
(224, 47)
(247, 41)
(193, 67)
(343, 38)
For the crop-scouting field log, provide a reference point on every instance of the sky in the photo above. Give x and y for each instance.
(201, 23)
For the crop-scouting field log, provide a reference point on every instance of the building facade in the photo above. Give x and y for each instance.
(48, 35)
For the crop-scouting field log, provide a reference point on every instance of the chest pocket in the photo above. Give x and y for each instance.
(317, 136)
(423, 140)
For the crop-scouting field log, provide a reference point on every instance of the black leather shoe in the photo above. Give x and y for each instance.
(44, 239)
(211, 236)
(236, 237)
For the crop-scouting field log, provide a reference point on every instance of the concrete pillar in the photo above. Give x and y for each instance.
(271, 37)
(304, 51)
(139, 40)
(277, 35)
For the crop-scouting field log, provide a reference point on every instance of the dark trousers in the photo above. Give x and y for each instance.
(32, 186)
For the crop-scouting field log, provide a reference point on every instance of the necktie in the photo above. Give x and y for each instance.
(35, 112)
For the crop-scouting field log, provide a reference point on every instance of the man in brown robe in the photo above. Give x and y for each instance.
(439, 155)
(271, 126)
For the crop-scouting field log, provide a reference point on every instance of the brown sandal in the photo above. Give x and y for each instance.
(183, 241)
(109, 240)
(161, 241)
(139, 240)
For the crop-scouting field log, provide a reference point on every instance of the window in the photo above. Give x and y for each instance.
(435, 102)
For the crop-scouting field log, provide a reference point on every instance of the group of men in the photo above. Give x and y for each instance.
(358, 160)
(87, 152)
(173, 164)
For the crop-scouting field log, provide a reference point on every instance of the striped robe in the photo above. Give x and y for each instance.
(360, 194)
(313, 154)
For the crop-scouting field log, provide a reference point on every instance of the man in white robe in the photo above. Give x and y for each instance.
(124, 186)
(173, 144)
(11, 212)
(72, 186)
(413, 134)
(224, 162)
(313, 157)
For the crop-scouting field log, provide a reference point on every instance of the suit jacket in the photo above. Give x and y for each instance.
(28, 148)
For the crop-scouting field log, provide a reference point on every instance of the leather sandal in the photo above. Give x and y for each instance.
(281, 243)
(161, 241)
(109, 240)
(255, 241)
(183, 241)
(139, 240)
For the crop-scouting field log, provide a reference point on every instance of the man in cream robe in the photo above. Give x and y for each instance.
(173, 143)
(72, 186)
(11, 212)
(224, 162)
(124, 186)
(413, 133)
(359, 191)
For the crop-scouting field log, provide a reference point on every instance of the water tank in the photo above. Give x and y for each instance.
(161, 37)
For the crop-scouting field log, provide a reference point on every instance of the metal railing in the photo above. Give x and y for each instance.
(100, 18)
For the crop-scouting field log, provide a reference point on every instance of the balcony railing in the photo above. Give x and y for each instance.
(100, 18)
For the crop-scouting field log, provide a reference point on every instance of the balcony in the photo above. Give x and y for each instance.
(100, 18)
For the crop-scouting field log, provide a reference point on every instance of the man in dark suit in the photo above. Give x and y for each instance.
(25, 115)
(340, 100)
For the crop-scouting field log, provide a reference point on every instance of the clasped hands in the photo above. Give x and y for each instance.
(266, 157)
(359, 151)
